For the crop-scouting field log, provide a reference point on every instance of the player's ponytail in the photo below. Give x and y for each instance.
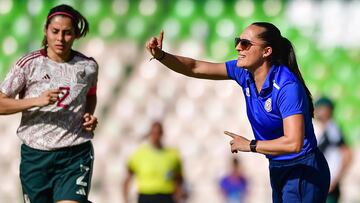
(80, 24)
(283, 53)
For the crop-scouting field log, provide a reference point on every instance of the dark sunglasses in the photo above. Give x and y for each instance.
(244, 43)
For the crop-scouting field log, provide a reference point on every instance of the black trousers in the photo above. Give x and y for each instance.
(156, 198)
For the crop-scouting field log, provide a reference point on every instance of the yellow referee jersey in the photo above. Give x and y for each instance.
(155, 169)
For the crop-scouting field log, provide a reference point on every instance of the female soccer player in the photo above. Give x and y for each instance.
(57, 97)
(279, 108)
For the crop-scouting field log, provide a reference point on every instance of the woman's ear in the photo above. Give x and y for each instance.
(267, 51)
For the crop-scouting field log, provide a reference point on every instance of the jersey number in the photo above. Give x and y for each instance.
(80, 180)
(65, 91)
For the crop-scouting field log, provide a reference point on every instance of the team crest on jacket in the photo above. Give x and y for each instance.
(268, 107)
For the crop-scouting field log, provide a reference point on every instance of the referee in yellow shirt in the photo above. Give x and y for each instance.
(157, 171)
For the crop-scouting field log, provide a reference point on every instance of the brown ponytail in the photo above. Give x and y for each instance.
(283, 54)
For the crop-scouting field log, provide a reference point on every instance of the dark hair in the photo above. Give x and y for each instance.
(325, 101)
(80, 23)
(283, 53)
(157, 124)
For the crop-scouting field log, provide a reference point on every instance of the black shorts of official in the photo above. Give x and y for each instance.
(52, 176)
(303, 179)
(156, 198)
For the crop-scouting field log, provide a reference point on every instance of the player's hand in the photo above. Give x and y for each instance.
(90, 122)
(154, 45)
(48, 97)
(238, 143)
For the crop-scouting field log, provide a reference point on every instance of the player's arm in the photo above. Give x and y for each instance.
(91, 101)
(184, 65)
(195, 68)
(291, 101)
(90, 121)
(291, 142)
(126, 185)
(347, 156)
(180, 191)
(10, 105)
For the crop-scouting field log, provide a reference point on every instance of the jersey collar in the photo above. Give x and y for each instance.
(43, 52)
(268, 83)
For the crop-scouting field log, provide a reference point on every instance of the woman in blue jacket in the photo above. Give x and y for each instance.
(279, 107)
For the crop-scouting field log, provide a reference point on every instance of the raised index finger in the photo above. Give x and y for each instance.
(232, 135)
(161, 37)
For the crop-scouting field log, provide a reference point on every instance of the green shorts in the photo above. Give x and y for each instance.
(51, 176)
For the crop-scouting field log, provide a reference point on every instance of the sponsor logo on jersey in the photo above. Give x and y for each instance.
(46, 77)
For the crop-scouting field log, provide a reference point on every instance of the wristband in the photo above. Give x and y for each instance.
(253, 145)
(161, 57)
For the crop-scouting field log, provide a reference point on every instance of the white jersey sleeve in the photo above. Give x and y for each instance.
(16, 79)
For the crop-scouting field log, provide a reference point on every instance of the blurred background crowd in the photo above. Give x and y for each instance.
(133, 91)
